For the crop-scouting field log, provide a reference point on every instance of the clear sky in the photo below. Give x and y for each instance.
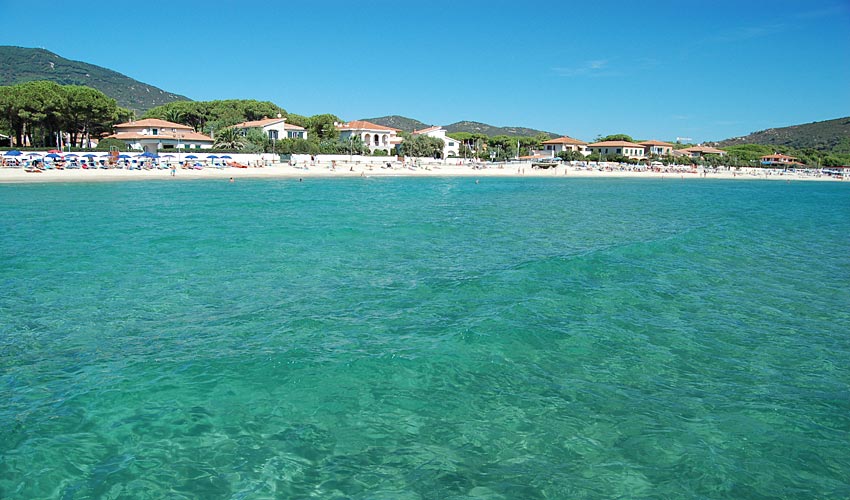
(706, 70)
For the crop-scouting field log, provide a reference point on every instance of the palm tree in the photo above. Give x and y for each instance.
(174, 115)
(229, 138)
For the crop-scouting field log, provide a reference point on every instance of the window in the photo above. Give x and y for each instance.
(154, 131)
(619, 150)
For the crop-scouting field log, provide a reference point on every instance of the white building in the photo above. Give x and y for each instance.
(274, 128)
(374, 136)
(152, 135)
(451, 147)
(552, 147)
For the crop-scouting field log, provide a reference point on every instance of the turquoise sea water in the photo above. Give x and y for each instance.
(425, 339)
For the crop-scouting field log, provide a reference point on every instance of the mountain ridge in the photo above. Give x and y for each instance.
(823, 135)
(410, 124)
(22, 64)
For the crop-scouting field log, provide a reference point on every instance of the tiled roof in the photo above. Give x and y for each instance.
(153, 122)
(266, 122)
(426, 130)
(564, 140)
(364, 125)
(704, 150)
(615, 144)
(182, 136)
(778, 157)
(655, 143)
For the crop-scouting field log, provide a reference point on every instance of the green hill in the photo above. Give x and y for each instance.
(827, 135)
(19, 64)
(411, 124)
(399, 122)
(492, 131)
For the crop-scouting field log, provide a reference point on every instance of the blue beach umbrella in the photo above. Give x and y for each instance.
(192, 157)
(71, 155)
(13, 152)
(147, 154)
(226, 157)
(124, 157)
(53, 155)
(210, 157)
(90, 155)
(33, 155)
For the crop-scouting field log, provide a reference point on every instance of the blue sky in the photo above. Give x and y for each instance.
(707, 70)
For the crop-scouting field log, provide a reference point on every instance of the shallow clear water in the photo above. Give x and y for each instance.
(425, 338)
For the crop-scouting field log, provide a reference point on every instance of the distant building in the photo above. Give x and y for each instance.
(778, 160)
(566, 143)
(657, 148)
(625, 148)
(698, 152)
(374, 136)
(274, 128)
(152, 135)
(451, 147)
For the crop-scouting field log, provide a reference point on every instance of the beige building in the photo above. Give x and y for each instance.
(552, 147)
(657, 148)
(625, 148)
(374, 136)
(699, 151)
(152, 135)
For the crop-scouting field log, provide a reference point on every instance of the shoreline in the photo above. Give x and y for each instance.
(345, 170)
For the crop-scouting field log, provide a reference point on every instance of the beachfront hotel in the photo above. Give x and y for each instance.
(699, 152)
(624, 148)
(152, 134)
(566, 143)
(374, 136)
(274, 128)
(657, 148)
(451, 147)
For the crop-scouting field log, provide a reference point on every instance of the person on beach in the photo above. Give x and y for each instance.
(173, 170)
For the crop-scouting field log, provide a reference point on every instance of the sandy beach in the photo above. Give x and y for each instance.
(381, 168)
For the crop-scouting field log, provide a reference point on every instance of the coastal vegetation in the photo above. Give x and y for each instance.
(38, 111)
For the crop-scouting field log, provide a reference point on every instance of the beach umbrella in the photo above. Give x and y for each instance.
(53, 155)
(191, 157)
(210, 157)
(13, 152)
(54, 151)
(89, 155)
(168, 156)
(123, 157)
(147, 154)
(32, 155)
(226, 157)
(71, 155)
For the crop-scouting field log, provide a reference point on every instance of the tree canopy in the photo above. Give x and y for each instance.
(36, 112)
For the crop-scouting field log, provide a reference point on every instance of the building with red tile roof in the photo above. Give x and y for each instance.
(152, 135)
(374, 136)
(566, 143)
(657, 148)
(624, 148)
